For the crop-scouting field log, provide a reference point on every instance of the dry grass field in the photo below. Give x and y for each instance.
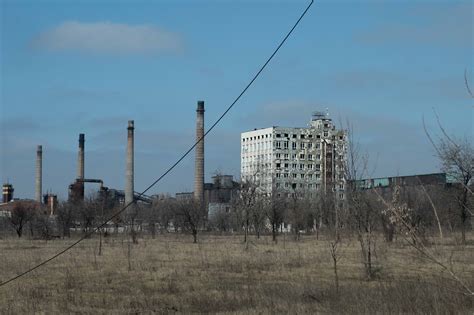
(170, 274)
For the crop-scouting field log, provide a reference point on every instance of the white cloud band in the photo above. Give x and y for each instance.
(108, 38)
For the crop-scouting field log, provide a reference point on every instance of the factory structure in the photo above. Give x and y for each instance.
(280, 160)
(285, 161)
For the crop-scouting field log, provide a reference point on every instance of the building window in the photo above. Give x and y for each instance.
(278, 155)
(301, 166)
(341, 186)
(318, 166)
(310, 186)
(318, 176)
(286, 156)
(318, 136)
(302, 176)
(294, 136)
(325, 133)
(278, 165)
(310, 145)
(285, 145)
(277, 175)
(318, 145)
(278, 135)
(285, 175)
(293, 145)
(287, 185)
(318, 186)
(310, 157)
(310, 166)
(286, 135)
(302, 156)
(294, 175)
(310, 176)
(302, 136)
(293, 165)
(318, 156)
(286, 165)
(302, 145)
(293, 156)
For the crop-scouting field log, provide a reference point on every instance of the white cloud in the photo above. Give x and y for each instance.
(108, 38)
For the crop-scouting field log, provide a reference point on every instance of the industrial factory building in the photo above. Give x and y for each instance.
(291, 160)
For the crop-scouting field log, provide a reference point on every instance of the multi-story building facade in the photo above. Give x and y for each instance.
(287, 161)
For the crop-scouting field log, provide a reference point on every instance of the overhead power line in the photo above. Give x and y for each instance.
(87, 235)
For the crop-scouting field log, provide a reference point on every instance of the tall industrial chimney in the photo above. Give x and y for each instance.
(129, 167)
(80, 157)
(39, 171)
(199, 161)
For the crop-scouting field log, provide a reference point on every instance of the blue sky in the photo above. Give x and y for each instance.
(89, 66)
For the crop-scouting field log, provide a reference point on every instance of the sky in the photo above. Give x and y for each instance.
(70, 67)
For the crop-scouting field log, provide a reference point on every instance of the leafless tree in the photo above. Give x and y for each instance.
(21, 214)
(275, 211)
(65, 217)
(457, 160)
(190, 215)
(399, 212)
(361, 208)
(334, 250)
(245, 203)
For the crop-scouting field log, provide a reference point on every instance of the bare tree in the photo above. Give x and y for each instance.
(245, 203)
(21, 214)
(190, 215)
(360, 206)
(400, 212)
(275, 209)
(457, 160)
(65, 218)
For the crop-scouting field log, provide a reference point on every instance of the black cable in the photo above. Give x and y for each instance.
(87, 235)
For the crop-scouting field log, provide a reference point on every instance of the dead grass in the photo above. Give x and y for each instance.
(169, 274)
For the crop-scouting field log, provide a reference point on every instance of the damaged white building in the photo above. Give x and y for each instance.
(296, 160)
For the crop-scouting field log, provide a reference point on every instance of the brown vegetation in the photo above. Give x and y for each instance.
(170, 274)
